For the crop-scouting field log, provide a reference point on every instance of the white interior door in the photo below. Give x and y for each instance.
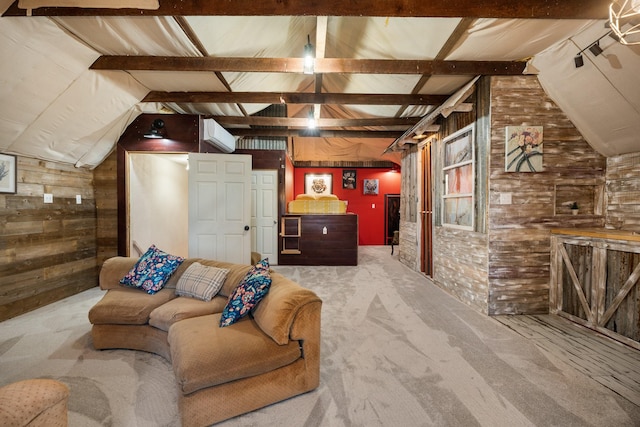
(220, 207)
(264, 214)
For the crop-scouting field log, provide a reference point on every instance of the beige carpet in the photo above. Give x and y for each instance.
(397, 351)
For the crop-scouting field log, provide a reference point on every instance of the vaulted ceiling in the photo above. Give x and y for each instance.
(75, 77)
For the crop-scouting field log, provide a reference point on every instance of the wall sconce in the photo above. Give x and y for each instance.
(308, 57)
(156, 130)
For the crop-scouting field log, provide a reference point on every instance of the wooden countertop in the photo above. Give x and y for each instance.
(599, 233)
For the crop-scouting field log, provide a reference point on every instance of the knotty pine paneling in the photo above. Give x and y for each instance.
(47, 251)
(519, 233)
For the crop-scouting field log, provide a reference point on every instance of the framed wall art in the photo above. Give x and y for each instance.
(371, 186)
(523, 149)
(318, 183)
(8, 173)
(349, 179)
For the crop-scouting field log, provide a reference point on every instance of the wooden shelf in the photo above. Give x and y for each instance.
(598, 233)
(290, 231)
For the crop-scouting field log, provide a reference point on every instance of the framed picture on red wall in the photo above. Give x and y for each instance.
(371, 186)
(349, 179)
(318, 183)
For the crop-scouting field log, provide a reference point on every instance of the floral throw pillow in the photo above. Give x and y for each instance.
(253, 287)
(152, 270)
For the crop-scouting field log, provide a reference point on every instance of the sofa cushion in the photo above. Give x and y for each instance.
(248, 294)
(201, 281)
(152, 270)
(184, 308)
(204, 355)
(127, 306)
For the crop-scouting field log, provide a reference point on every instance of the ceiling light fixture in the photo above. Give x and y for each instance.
(308, 57)
(594, 48)
(624, 20)
(311, 119)
(156, 130)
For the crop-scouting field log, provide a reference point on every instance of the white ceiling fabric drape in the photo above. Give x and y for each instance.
(54, 107)
(602, 98)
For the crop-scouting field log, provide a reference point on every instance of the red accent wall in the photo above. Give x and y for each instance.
(370, 219)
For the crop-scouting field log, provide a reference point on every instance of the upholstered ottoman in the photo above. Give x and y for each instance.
(34, 403)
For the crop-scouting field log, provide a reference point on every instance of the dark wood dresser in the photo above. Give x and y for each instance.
(316, 239)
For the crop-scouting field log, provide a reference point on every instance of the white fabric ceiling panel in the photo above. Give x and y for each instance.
(512, 39)
(363, 83)
(339, 149)
(176, 81)
(444, 85)
(67, 130)
(267, 82)
(209, 109)
(254, 36)
(39, 62)
(160, 36)
(387, 38)
(596, 97)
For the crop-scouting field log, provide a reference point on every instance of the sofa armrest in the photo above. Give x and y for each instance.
(279, 310)
(114, 269)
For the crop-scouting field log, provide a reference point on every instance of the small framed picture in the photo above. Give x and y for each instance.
(8, 173)
(349, 179)
(523, 149)
(371, 186)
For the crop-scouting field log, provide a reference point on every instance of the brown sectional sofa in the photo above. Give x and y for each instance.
(266, 357)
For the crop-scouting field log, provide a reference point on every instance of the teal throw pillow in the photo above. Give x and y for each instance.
(253, 287)
(152, 270)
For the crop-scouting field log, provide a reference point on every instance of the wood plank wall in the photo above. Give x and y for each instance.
(623, 192)
(105, 179)
(460, 256)
(519, 233)
(408, 251)
(47, 251)
(460, 265)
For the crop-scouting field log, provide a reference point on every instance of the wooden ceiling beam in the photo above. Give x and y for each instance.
(293, 98)
(321, 123)
(295, 65)
(315, 133)
(527, 9)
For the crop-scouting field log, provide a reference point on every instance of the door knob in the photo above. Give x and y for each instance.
(246, 228)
